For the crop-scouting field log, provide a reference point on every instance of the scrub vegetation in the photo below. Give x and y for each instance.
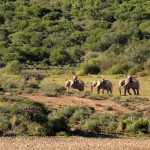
(97, 35)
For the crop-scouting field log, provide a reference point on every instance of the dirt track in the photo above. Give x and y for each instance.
(99, 105)
(72, 143)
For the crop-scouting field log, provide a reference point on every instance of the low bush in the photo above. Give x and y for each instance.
(52, 90)
(91, 125)
(88, 94)
(12, 98)
(97, 97)
(57, 122)
(109, 108)
(69, 110)
(62, 133)
(32, 74)
(25, 117)
(83, 94)
(11, 84)
(32, 84)
(119, 69)
(32, 111)
(13, 67)
(4, 123)
(29, 90)
(90, 68)
(81, 113)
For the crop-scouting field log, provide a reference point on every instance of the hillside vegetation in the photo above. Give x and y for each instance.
(20, 116)
(98, 35)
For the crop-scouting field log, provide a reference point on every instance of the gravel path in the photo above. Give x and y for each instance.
(73, 143)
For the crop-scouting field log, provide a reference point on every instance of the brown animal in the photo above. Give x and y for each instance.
(134, 85)
(75, 85)
(107, 85)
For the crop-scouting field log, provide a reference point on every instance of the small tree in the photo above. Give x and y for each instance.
(59, 57)
(13, 67)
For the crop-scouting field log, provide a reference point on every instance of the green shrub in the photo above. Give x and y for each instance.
(28, 90)
(56, 72)
(59, 56)
(92, 125)
(96, 97)
(5, 116)
(78, 115)
(5, 108)
(34, 111)
(69, 110)
(119, 69)
(82, 113)
(12, 83)
(12, 98)
(124, 123)
(144, 73)
(125, 104)
(4, 122)
(83, 94)
(88, 94)
(134, 69)
(13, 67)
(53, 90)
(35, 129)
(62, 133)
(57, 122)
(90, 67)
(21, 127)
(112, 126)
(32, 84)
(141, 125)
(109, 108)
(147, 65)
(136, 114)
(145, 26)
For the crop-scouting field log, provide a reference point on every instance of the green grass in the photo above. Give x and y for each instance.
(88, 79)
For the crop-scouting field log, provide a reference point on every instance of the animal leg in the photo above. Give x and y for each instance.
(67, 89)
(124, 92)
(138, 92)
(111, 92)
(120, 90)
(129, 92)
(98, 90)
(103, 91)
(134, 92)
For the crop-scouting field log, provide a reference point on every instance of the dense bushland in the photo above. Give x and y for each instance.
(100, 35)
(20, 116)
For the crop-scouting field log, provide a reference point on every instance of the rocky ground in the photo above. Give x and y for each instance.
(73, 143)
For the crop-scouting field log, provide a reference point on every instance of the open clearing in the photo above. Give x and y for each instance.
(60, 102)
(98, 105)
(82, 143)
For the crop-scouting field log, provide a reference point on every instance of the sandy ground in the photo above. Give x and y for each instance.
(73, 143)
(60, 102)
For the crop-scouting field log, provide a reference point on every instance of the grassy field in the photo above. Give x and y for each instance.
(61, 79)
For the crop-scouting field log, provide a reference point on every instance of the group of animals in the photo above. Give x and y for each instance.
(106, 85)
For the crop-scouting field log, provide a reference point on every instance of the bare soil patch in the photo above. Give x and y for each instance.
(60, 102)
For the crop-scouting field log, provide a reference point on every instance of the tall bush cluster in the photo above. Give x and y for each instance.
(63, 32)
